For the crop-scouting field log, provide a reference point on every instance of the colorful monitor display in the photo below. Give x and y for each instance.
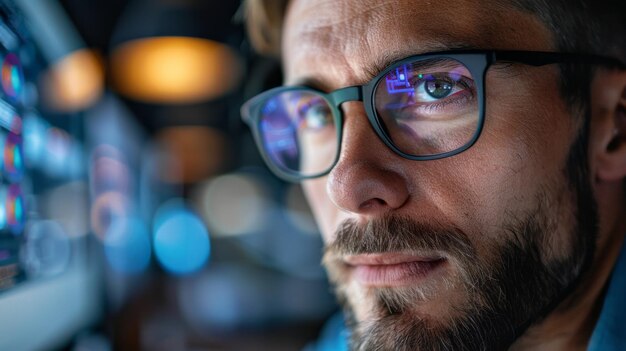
(40, 152)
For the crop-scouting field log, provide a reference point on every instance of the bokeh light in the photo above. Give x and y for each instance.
(73, 215)
(35, 129)
(234, 204)
(127, 245)
(75, 82)
(15, 210)
(47, 251)
(58, 145)
(194, 153)
(110, 188)
(106, 209)
(181, 241)
(12, 157)
(174, 69)
(12, 76)
(110, 174)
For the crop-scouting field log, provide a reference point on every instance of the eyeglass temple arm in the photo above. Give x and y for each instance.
(536, 58)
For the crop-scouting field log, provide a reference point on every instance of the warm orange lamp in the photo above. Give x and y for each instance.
(175, 51)
(174, 69)
(75, 82)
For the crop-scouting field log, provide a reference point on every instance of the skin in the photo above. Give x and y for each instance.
(523, 149)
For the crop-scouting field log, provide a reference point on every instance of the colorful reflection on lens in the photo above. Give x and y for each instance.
(428, 107)
(298, 132)
(278, 131)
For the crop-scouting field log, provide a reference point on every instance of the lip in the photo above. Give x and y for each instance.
(393, 269)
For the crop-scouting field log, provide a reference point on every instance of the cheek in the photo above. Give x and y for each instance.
(520, 156)
(528, 131)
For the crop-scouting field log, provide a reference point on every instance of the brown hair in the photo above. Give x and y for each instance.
(583, 26)
(264, 22)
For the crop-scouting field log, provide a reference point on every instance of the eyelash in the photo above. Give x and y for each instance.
(466, 84)
(464, 97)
(448, 101)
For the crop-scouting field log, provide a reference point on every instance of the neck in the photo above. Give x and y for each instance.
(570, 325)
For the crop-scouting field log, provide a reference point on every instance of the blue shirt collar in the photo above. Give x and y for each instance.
(610, 331)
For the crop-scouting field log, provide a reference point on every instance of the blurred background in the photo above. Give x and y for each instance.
(135, 210)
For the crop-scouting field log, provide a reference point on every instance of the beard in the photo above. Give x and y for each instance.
(515, 284)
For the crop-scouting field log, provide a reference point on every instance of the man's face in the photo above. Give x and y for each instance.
(463, 251)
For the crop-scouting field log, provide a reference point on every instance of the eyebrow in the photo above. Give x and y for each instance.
(311, 82)
(386, 59)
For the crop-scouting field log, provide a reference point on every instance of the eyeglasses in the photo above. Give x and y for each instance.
(423, 107)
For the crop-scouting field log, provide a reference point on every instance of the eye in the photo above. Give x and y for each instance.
(436, 87)
(315, 115)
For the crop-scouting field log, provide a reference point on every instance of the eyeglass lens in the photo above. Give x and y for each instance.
(299, 132)
(425, 108)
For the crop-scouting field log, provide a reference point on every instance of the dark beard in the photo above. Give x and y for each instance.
(504, 295)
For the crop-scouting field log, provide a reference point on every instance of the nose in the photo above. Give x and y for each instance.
(368, 179)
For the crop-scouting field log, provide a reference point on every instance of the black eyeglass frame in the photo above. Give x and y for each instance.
(476, 61)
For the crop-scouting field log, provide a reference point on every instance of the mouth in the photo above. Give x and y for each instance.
(393, 269)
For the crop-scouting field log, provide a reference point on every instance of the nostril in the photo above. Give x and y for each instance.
(372, 204)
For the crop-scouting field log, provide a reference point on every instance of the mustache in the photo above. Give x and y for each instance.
(399, 234)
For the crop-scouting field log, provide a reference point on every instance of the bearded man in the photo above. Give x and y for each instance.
(465, 162)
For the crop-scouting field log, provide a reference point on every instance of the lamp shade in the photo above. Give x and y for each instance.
(168, 51)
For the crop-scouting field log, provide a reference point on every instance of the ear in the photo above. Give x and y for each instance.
(608, 125)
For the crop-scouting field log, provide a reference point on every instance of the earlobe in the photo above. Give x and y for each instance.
(610, 123)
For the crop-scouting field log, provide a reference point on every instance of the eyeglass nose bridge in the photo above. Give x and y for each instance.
(358, 93)
(352, 93)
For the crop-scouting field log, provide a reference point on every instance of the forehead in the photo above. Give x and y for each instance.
(349, 40)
